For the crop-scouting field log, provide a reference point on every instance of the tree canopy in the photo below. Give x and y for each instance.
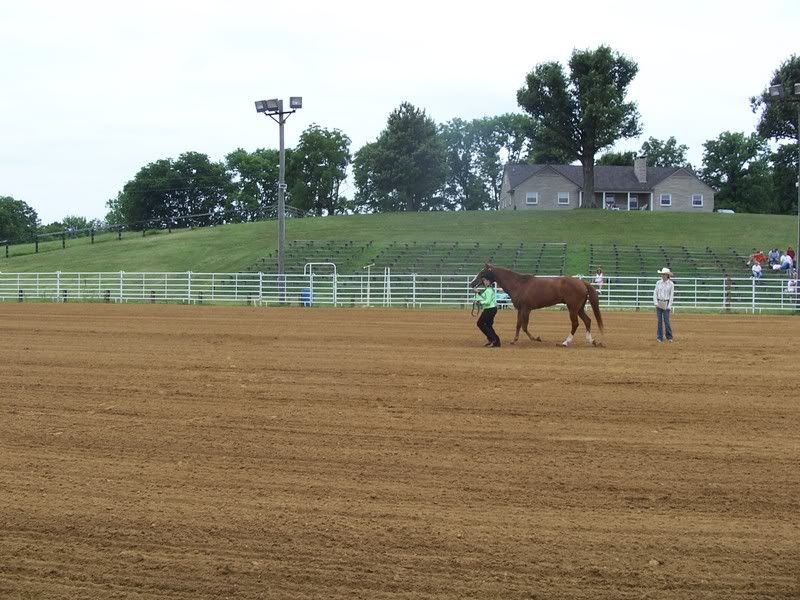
(585, 112)
(736, 165)
(407, 166)
(779, 119)
(18, 221)
(319, 166)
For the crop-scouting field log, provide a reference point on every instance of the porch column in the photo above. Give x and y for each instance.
(651, 202)
(604, 200)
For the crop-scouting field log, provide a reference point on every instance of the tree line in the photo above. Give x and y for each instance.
(569, 113)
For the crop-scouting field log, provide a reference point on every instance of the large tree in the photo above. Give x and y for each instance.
(407, 163)
(18, 221)
(737, 166)
(778, 121)
(667, 153)
(165, 192)
(506, 138)
(255, 179)
(585, 112)
(617, 159)
(463, 188)
(319, 166)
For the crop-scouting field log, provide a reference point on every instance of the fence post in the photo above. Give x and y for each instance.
(91, 233)
(753, 302)
(63, 240)
(335, 287)
(188, 287)
(413, 290)
(36, 244)
(260, 286)
(121, 280)
(58, 284)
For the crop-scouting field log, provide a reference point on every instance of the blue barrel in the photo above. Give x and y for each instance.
(306, 296)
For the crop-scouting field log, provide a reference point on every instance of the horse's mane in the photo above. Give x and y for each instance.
(509, 272)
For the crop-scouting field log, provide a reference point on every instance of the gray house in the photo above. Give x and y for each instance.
(638, 187)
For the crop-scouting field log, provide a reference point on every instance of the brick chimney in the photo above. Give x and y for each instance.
(640, 169)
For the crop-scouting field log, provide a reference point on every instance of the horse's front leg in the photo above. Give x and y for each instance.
(519, 326)
(525, 322)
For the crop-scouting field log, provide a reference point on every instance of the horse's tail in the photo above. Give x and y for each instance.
(594, 300)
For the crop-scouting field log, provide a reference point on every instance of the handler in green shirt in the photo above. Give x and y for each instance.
(487, 298)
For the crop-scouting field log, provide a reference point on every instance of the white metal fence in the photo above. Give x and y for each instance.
(374, 289)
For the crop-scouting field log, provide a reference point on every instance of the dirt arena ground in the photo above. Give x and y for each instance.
(203, 452)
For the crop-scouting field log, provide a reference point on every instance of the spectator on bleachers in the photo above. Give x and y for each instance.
(774, 256)
(787, 262)
(598, 279)
(757, 256)
(757, 272)
(791, 254)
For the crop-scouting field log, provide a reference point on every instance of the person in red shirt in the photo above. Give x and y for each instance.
(757, 256)
(790, 254)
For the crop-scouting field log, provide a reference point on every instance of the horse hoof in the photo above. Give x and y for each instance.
(537, 339)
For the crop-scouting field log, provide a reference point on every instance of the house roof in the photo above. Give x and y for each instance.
(606, 179)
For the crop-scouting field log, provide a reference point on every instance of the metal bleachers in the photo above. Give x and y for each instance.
(347, 255)
(637, 260)
(465, 257)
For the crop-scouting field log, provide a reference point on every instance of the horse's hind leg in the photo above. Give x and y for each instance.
(525, 320)
(588, 322)
(573, 316)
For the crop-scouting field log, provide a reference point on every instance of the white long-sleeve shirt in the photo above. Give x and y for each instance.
(664, 292)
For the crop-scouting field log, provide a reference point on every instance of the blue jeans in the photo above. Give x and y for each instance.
(663, 316)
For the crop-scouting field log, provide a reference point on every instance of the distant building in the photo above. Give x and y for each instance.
(637, 187)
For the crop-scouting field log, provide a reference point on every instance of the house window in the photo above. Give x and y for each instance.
(697, 199)
(666, 199)
(532, 198)
(633, 203)
(563, 197)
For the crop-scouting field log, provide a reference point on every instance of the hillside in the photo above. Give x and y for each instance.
(231, 248)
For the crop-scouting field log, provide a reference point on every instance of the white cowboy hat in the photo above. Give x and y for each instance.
(665, 271)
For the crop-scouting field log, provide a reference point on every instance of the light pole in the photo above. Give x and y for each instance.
(778, 91)
(274, 110)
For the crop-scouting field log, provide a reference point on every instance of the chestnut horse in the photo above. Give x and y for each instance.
(529, 292)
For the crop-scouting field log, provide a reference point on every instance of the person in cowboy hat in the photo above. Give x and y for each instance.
(663, 298)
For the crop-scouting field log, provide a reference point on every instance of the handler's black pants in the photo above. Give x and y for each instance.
(486, 325)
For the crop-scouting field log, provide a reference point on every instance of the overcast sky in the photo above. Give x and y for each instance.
(90, 92)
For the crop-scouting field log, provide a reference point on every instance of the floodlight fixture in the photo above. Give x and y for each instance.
(776, 90)
(295, 102)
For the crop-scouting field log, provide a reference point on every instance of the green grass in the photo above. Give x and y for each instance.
(230, 248)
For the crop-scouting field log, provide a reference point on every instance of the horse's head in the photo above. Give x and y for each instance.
(487, 272)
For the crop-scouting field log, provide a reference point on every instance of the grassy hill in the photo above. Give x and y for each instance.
(231, 248)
